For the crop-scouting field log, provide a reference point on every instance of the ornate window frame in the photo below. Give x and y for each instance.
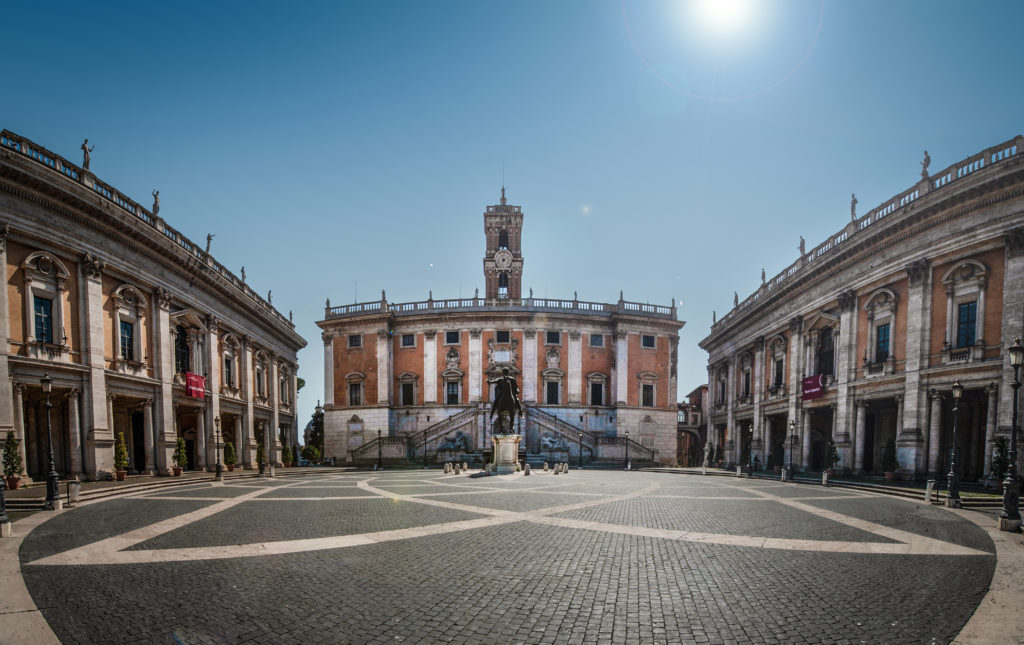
(745, 376)
(966, 281)
(284, 386)
(406, 378)
(597, 378)
(358, 379)
(777, 349)
(260, 373)
(647, 378)
(45, 276)
(130, 307)
(881, 307)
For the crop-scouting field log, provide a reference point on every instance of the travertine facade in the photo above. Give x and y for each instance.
(125, 314)
(419, 371)
(861, 339)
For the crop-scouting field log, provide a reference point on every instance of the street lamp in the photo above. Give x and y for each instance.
(51, 477)
(580, 466)
(627, 450)
(380, 454)
(216, 438)
(953, 499)
(792, 446)
(1009, 518)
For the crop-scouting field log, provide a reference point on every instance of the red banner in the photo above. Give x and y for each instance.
(814, 387)
(195, 385)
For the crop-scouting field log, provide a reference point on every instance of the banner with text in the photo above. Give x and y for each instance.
(814, 387)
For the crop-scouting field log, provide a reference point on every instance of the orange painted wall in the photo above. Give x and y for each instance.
(406, 359)
(642, 359)
(597, 359)
(357, 359)
(442, 364)
(995, 261)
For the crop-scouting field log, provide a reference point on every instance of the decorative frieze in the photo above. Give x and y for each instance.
(92, 267)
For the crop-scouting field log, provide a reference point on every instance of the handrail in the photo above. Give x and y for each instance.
(383, 441)
(894, 206)
(643, 452)
(61, 166)
(440, 428)
(563, 427)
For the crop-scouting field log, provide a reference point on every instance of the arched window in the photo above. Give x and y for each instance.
(503, 285)
(503, 239)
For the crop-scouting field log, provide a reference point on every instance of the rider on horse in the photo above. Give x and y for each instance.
(506, 397)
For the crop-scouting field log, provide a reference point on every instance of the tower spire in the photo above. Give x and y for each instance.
(503, 201)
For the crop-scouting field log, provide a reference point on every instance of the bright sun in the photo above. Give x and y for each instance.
(723, 15)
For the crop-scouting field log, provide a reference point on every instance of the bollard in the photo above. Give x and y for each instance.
(703, 470)
(739, 471)
(74, 491)
(465, 466)
(554, 471)
(526, 471)
(824, 478)
(785, 473)
(928, 491)
(545, 466)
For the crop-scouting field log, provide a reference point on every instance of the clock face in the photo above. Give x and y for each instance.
(503, 259)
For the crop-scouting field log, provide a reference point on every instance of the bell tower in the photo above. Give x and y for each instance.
(503, 259)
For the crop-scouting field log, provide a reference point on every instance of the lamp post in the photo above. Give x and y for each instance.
(1009, 518)
(380, 454)
(792, 446)
(424, 447)
(627, 451)
(52, 503)
(580, 466)
(953, 499)
(216, 437)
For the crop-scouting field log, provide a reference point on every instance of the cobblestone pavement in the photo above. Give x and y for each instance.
(584, 557)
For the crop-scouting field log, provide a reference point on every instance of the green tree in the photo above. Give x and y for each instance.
(311, 454)
(12, 456)
(180, 457)
(120, 453)
(286, 454)
(230, 458)
(259, 454)
(299, 383)
(316, 437)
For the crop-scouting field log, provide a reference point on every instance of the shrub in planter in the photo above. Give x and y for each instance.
(13, 469)
(311, 454)
(1000, 459)
(120, 457)
(180, 459)
(230, 458)
(286, 456)
(889, 463)
(832, 459)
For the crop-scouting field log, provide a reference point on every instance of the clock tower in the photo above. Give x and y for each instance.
(503, 259)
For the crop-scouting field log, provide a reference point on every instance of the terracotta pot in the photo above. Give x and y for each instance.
(231, 468)
(287, 464)
(831, 472)
(176, 470)
(120, 475)
(890, 476)
(13, 483)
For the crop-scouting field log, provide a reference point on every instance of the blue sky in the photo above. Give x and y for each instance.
(336, 149)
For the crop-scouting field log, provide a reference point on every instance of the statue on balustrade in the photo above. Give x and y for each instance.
(86, 149)
(506, 402)
(209, 240)
(927, 161)
(853, 206)
(156, 202)
(803, 249)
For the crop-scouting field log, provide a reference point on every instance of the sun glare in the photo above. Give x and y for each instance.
(723, 15)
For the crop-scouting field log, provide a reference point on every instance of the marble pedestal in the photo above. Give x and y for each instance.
(506, 452)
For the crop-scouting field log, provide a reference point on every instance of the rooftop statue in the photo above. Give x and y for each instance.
(86, 149)
(924, 165)
(156, 202)
(853, 206)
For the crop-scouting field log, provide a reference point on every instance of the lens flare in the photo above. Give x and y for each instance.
(723, 15)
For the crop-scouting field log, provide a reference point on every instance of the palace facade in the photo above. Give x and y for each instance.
(142, 331)
(862, 338)
(593, 377)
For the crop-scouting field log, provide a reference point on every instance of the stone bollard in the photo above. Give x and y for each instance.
(703, 470)
(785, 473)
(465, 466)
(739, 471)
(487, 468)
(526, 470)
(447, 468)
(554, 471)
(824, 478)
(545, 466)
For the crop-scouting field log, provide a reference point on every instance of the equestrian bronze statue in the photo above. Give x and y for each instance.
(506, 403)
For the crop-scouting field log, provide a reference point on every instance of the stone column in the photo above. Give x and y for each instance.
(796, 325)
(990, 425)
(149, 439)
(768, 428)
(99, 441)
(858, 451)
(110, 413)
(247, 442)
(912, 410)
(74, 434)
(476, 368)
(383, 370)
(430, 366)
(621, 368)
(32, 425)
(530, 366)
(846, 363)
(935, 430)
(238, 433)
(575, 376)
(201, 439)
(328, 339)
(805, 453)
(19, 426)
(163, 331)
(757, 376)
(212, 382)
(274, 447)
(7, 411)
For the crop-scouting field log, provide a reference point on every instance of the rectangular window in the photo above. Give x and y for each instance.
(967, 324)
(451, 393)
(408, 394)
(553, 338)
(408, 340)
(355, 394)
(451, 338)
(597, 340)
(746, 383)
(596, 394)
(259, 382)
(881, 342)
(182, 353)
(44, 320)
(127, 341)
(647, 341)
(648, 395)
(229, 377)
(551, 389)
(355, 340)
(502, 336)
(778, 372)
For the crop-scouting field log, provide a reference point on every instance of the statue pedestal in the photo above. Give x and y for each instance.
(506, 451)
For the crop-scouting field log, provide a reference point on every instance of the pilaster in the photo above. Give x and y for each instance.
(1013, 321)
(100, 438)
(529, 366)
(575, 376)
(6, 397)
(74, 434)
(328, 339)
(621, 367)
(430, 366)
(384, 367)
(166, 436)
(212, 384)
(476, 370)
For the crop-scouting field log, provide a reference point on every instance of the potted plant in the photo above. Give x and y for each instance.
(832, 459)
(230, 458)
(286, 456)
(180, 459)
(120, 458)
(13, 469)
(889, 463)
(1000, 462)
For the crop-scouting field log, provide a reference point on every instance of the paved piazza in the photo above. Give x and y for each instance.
(418, 556)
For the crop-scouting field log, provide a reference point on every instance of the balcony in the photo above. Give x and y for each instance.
(962, 355)
(776, 392)
(744, 399)
(883, 367)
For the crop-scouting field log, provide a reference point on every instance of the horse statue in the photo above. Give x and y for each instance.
(506, 403)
